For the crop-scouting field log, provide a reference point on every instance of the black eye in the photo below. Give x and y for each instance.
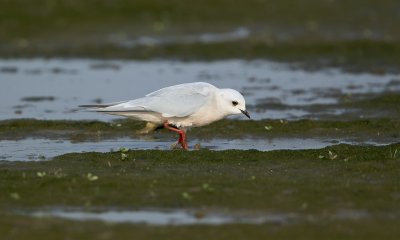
(234, 103)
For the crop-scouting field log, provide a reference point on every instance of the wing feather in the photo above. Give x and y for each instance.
(175, 101)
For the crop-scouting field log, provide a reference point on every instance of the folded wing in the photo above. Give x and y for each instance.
(175, 101)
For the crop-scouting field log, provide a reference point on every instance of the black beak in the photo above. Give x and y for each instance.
(245, 113)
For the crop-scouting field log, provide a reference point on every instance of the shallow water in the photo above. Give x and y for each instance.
(52, 89)
(178, 217)
(165, 217)
(34, 149)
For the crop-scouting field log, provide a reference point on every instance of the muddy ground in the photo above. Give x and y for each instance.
(356, 35)
(334, 192)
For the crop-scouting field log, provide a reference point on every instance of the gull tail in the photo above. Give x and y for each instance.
(95, 105)
(98, 106)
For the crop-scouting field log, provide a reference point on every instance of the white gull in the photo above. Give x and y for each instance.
(179, 107)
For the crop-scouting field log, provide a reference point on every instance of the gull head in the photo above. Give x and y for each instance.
(233, 102)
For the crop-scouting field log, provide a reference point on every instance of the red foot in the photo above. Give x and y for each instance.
(182, 135)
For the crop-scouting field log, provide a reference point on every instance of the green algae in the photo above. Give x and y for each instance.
(22, 128)
(241, 179)
(389, 100)
(308, 182)
(356, 35)
(86, 130)
(72, 15)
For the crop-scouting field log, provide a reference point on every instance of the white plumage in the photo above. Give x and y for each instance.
(180, 106)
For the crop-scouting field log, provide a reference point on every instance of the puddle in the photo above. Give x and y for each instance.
(166, 217)
(69, 83)
(36, 149)
(179, 217)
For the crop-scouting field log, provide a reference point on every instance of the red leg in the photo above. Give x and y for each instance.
(182, 135)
